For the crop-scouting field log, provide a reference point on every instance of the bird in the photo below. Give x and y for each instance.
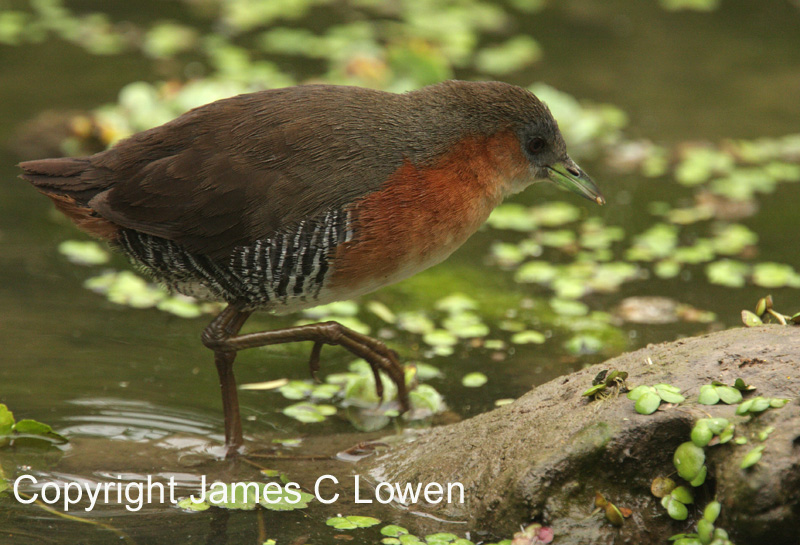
(285, 199)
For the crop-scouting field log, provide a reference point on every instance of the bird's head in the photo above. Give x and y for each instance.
(545, 150)
(492, 107)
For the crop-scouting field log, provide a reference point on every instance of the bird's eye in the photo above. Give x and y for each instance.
(536, 144)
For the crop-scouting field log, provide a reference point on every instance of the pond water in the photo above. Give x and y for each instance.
(136, 392)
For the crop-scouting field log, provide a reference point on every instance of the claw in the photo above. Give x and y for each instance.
(402, 396)
(378, 382)
(313, 362)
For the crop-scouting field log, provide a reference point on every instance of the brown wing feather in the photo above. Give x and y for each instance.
(240, 169)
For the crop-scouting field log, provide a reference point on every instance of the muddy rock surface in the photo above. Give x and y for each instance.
(544, 457)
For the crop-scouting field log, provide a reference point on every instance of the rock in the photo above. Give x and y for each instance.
(544, 457)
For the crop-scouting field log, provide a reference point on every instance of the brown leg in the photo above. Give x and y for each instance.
(230, 400)
(227, 324)
(222, 337)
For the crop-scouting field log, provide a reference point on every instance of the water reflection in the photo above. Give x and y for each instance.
(126, 420)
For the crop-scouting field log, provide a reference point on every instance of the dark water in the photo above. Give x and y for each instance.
(135, 389)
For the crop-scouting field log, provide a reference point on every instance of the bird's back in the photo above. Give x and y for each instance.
(248, 199)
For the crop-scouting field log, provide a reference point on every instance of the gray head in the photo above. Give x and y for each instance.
(491, 107)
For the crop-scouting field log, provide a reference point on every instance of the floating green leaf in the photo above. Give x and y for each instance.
(381, 311)
(180, 305)
(83, 252)
(352, 522)
(440, 337)
(528, 336)
(539, 272)
(415, 322)
(165, 40)
(511, 56)
(696, 5)
(474, 380)
(441, 538)
(556, 213)
(239, 496)
(296, 389)
(465, 325)
(506, 254)
(456, 303)
(13, 25)
(693, 214)
(775, 275)
(568, 307)
(126, 288)
(561, 238)
(513, 217)
(285, 501)
(426, 397)
(728, 272)
(659, 241)
(309, 412)
(667, 268)
(338, 308)
(34, 428)
(392, 530)
(189, 505)
(699, 164)
(6, 420)
(732, 239)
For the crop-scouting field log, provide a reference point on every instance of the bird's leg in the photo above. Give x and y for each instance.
(226, 325)
(376, 353)
(313, 361)
(221, 336)
(313, 365)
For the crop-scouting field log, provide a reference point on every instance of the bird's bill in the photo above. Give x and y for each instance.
(570, 176)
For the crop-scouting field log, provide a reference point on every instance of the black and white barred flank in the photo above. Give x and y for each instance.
(290, 266)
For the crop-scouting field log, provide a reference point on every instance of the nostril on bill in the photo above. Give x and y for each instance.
(575, 171)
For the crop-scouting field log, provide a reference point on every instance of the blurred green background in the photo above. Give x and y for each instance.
(685, 113)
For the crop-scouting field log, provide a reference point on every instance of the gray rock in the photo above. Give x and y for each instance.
(544, 457)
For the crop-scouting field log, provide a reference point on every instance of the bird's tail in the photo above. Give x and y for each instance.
(69, 184)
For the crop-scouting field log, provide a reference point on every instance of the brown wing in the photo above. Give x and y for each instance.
(240, 169)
